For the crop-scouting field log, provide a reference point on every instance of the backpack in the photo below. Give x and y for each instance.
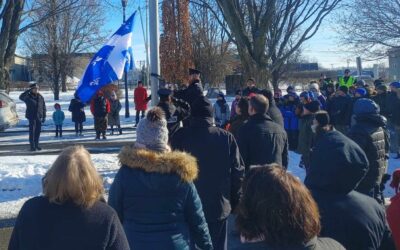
(100, 107)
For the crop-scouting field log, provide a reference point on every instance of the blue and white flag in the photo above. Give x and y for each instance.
(109, 62)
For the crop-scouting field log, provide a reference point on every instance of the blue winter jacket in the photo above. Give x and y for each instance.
(290, 120)
(157, 202)
(58, 117)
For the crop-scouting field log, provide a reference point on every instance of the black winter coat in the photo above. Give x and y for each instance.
(44, 225)
(384, 104)
(262, 141)
(236, 123)
(394, 109)
(175, 112)
(340, 110)
(156, 200)
(35, 105)
(355, 220)
(369, 134)
(76, 107)
(275, 113)
(221, 167)
(191, 93)
(314, 244)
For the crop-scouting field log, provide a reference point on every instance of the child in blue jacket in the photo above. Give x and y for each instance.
(58, 118)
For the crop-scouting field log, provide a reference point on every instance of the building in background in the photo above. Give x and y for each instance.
(394, 64)
(20, 73)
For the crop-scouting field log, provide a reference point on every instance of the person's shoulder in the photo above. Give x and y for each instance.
(328, 244)
(103, 208)
(35, 203)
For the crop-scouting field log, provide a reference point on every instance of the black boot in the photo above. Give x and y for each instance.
(104, 135)
(97, 135)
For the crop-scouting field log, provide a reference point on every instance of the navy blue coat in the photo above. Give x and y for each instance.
(157, 202)
(44, 225)
(355, 220)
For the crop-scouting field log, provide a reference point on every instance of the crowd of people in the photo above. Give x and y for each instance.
(177, 185)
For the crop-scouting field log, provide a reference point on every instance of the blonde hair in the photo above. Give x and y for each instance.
(73, 177)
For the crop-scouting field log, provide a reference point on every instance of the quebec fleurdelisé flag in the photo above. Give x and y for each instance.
(109, 62)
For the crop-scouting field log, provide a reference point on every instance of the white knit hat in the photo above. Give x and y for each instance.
(152, 131)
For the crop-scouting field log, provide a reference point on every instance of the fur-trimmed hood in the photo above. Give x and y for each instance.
(180, 163)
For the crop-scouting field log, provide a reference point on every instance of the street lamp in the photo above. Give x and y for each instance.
(124, 3)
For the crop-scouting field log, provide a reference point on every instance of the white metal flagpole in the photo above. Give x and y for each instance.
(154, 49)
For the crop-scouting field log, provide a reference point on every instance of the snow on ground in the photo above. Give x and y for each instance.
(20, 177)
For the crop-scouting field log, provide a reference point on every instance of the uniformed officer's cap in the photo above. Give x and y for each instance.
(164, 92)
(33, 86)
(194, 71)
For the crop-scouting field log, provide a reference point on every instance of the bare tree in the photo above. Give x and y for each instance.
(213, 52)
(374, 29)
(64, 35)
(15, 18)
(268, 32)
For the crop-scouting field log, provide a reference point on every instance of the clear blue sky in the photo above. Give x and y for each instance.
(324, 47)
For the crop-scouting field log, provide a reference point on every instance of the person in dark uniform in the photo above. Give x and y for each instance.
(35, 113)
(176, 110)
(193, 89)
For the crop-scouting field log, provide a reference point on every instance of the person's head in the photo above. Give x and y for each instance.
(165, 95)
(330, 87)
(394, 86)
(152, 131)
(365, 106)
(258, 104)
(360, 83)
(73, 178)
(290, 89)
(343, 90)
(57, 106)
(221, 96)
(321, 122)
(194, 75)
(251, 82)
(277, 208)
(34, 88)
(360, 92)
(267, 93)
(202, 109)
(311, 107)
(113, 96)
(238, 95)
(140, 83)
(346, 72)
(314, 87)
(242, 107)
(382, 89)
(305, 97)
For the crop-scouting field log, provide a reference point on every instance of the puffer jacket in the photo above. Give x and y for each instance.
(355, 220)
(58, 117)
(35, 105)
(369, 134)
(157, 202)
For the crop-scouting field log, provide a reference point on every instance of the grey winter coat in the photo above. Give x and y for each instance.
(113, 116)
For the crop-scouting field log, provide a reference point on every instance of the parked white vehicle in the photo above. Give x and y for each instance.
(8, 112)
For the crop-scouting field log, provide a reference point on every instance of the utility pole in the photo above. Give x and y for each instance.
(154, 49)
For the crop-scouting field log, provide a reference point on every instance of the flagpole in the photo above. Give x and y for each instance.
(124, 3)
(154, 50)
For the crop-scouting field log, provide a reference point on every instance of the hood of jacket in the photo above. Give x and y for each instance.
(182, 164)
(337, 164)
(373, 119)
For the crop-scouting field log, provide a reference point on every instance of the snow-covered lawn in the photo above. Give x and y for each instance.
(20, 177)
